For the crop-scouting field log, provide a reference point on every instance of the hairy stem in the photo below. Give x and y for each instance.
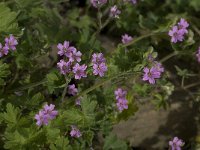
(169, 56)
(65, 90)
(135, 40)
(182, 81)
(99, 15)
(32, 85)
(191, 85)
(103, 82)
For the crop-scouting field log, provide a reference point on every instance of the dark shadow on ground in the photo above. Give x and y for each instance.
(181, 122)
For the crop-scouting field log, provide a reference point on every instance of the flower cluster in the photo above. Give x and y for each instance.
(99, 64)
(176, 144)
(46, 114)
(114, 12)
(122, 102)
(152, 73)
(126, 39)
(10, 44)
(178, 32)
(75, 132)
(98, 3)
(198, 55)
(71, 61)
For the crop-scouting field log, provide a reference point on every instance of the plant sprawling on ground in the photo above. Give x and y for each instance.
(62, 88)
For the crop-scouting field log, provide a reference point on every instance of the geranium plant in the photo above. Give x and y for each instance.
(62, 88)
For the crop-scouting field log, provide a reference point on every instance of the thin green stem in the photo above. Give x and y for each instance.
(182, 81)
(99, 15)
(32, 85)
(15, 78)
(191, 85)
(169, 56)
(135, 40)
(102, 26)
(65, 90)
(101, 83)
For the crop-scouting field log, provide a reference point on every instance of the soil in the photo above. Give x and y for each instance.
(151, 129)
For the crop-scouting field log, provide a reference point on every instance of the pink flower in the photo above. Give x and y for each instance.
(122, 103)
(151, 74)
(158, 66)
(79, 71)
(99, 64)
(49, 111)
(99, 69)
(176, 144)
(126, 38)
(75, 56)
(183, 25)
(120, 93)
(64, 67)
(11, 42)
(3, 50)
(75, 132)
(176, 34)
(46, 114)
(98, 58)
(65, 49)
(41, 118)
(72, 89)
(115, 12)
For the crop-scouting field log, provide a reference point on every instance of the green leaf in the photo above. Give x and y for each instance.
(22, 61)
(113, 143)
(4, 72)
(190, 40)
(28, 3)
(61, 143)
(88, 136)
(54, 80)
(159, 101)
(25, 138)
(14, 141)
(141, 89)
(35, 100)
(51, 77)
(88, 106)
(8, 23)
(180, 72)
(11, 116)
(73, 116)
(195, 4)
(84, 118)
(52, 134)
